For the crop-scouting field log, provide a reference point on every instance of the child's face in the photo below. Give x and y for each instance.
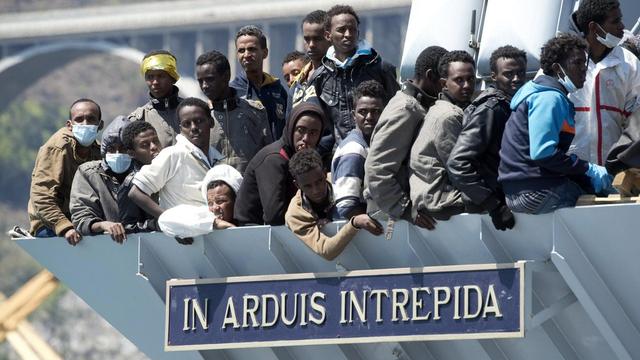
(313, 184)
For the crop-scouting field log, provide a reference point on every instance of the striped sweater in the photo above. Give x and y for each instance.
(347, 173)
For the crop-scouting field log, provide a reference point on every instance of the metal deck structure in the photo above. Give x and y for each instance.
(581, 293)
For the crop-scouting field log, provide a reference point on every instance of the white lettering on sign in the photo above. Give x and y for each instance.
(192, 309)
(267, 310)
(396, 305)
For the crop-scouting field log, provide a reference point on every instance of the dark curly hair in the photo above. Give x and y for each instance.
(304, 161)
(428, 60)
(369, 88)
(295, 55)
(339, 10)
(508, 52)
(315, 17)
(159, 52)
(252, 30)
(453, 56)
(215, 58)
(593, 10)
(557, 49)
(132, 130)
(194, 102)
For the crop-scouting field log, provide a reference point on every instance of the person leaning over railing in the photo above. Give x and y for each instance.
(313, 206)
(473, 163)
(386, 180)
(267, 187)
(56, 164)
(93, 205)
(536, 173)
(175, 174)
(141, 142)
(219, 189)
(347, 167)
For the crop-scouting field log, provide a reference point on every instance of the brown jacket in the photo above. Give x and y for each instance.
(51, 180)
(303, 222)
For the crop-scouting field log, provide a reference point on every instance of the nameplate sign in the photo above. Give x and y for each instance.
(409, 304)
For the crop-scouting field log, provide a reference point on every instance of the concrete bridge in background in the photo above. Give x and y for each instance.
(188, 28)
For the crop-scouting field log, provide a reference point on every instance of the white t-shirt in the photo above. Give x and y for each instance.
(177, 173)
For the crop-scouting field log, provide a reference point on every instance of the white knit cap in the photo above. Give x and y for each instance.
(222, 172)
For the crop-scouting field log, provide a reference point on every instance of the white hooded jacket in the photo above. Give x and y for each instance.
(606, 103)
(186, 220)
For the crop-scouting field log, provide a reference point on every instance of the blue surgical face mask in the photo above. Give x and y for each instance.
(566, 82)
(118, 162)
(85, 134)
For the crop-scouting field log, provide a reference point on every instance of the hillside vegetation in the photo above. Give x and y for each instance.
(41, 110)
(64, 321)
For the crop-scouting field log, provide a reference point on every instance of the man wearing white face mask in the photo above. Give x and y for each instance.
(93, 204)
(536, 173)
(56, 164)
(610, 97)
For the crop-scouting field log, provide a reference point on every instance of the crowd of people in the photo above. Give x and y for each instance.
(422, 151)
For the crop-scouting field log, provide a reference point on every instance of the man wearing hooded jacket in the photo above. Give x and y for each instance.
(610, 97)
(268, 187)
(536, 173)
(349, 62)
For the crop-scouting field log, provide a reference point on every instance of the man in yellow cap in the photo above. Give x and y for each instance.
(160, 72)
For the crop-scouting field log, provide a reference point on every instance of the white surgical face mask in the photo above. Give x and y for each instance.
(85, 134)
(118, 162)
(566, 82)
(609, 40)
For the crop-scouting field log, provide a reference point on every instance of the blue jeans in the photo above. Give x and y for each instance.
(45, 232)
(545, 201)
